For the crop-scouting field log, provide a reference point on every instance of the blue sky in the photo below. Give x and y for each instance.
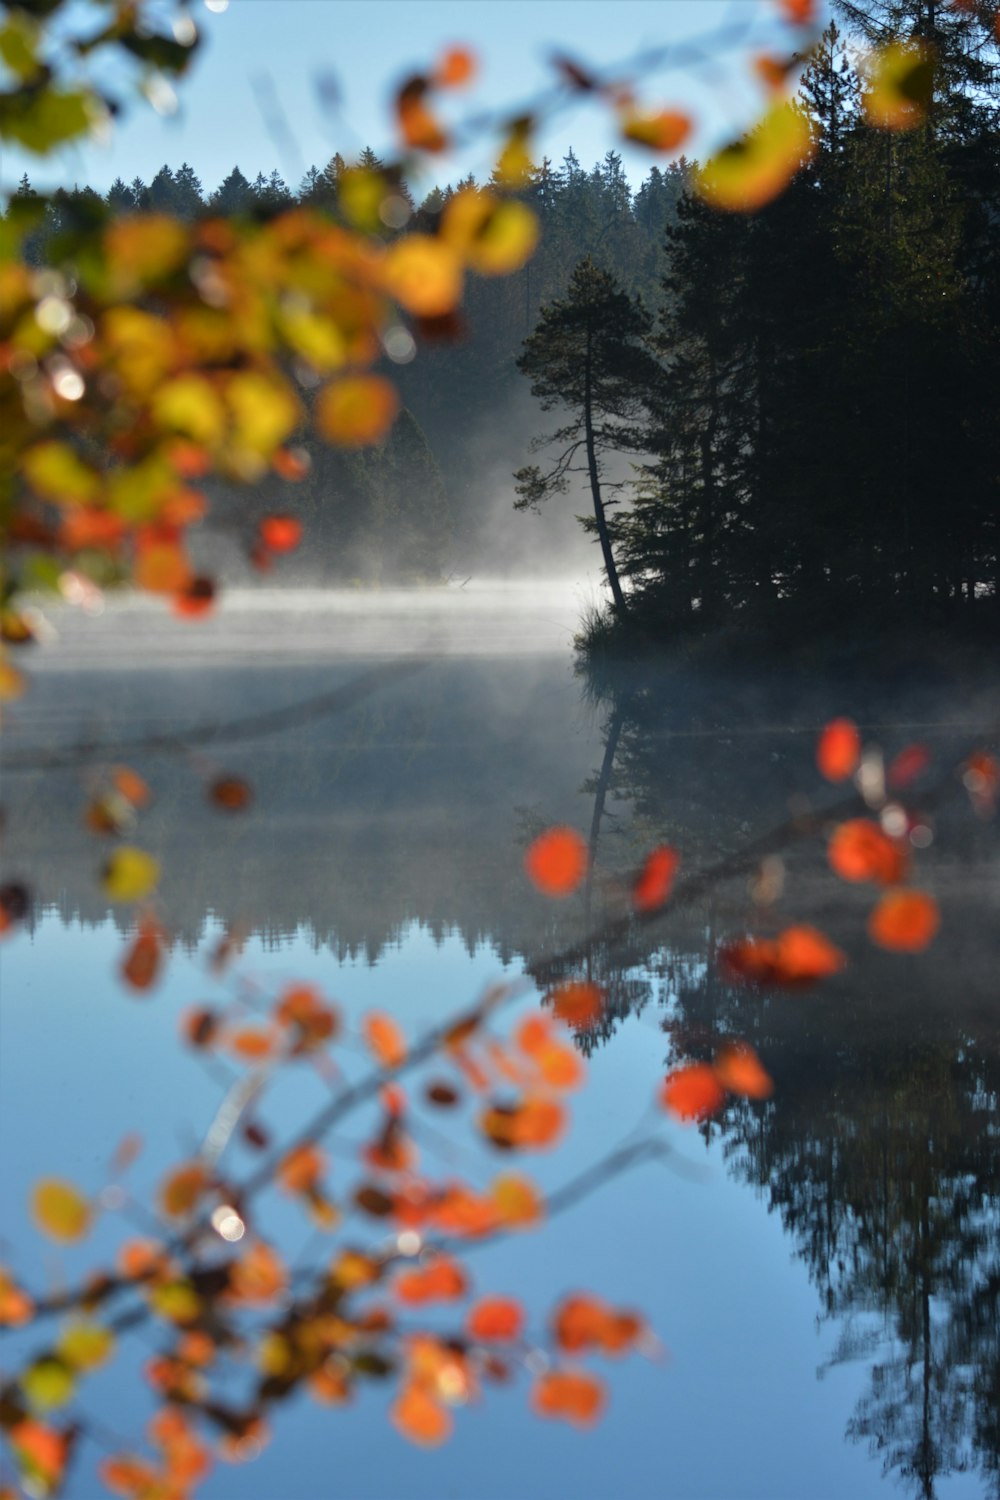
(287, 48)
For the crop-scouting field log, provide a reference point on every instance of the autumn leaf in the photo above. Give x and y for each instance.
(230, 794)
(571, 1395)
(516, 1201)
(420, 1418)
(280, 533)
(495, 1320)
(656, 879)
(838, 752)
(899, 85)
(799, 955)
(424, 275)
(455, 67)
(905, 921)
(556, 861)
(16, 1307)
(753, 170)
(692, 1092)
(739, 1070)
(660, 130)
(439, 1280)
(301, 1169)
(577, 1003)
(384, 1039)
(907, 767)
(130, 874)
(356, 410)
(144, 958)
(60, 1211)
(861, 850)
(181, 1189)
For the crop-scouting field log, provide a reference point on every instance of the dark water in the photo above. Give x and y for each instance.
(823, 1269)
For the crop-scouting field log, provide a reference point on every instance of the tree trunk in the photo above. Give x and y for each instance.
(595, 490)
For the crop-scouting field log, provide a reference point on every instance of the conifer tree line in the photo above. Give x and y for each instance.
(820, 437)
(413, 508)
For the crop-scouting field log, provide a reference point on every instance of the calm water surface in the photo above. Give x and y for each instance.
(823, 1270)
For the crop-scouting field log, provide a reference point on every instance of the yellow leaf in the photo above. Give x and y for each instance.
(356, 411)
(900, 85)
(85, 1346)
(143, 248)
(130, 874)
(663, 130)
(515, 165)
(264, 410)
(47, 1383)
(749, 172)
(424, 275)
(360, 193)
(190, 405)
(59, 1210)
(495, 236)
(12, 682)
(55, 472)
(176, 1300)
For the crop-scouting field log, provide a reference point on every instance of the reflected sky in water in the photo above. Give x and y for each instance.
(820, 1269)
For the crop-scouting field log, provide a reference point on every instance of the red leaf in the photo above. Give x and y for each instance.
(656, 880)
(905, 921)
(838, 753)
(692, 1092)
(556, 861)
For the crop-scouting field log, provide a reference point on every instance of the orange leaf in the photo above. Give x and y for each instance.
(420, 1418)
(576, 1397)
(556, 861)
(495, 1319)
(280, 533)
(517, 1201)
(577, 1003)
(181, 1189)
(16, 1307)
(907, 766)
(838, 753)
(798, 12)
(258, 1276)
(43, 1449)
(861, 850)
(230, 793)
(356, 410)
(656, 879)
(905, 921)
(130, 785)
(251, 1043)
(739, 1069)
(456, 67)
(417, 124)
(440, 1280)
(531, 1125)
(663, 130)
(162, 568)
(142, 963)
(692, 1092)
(799, 955)
(424, 274)
(384, 1039)
(301, 1169)
(196, 599)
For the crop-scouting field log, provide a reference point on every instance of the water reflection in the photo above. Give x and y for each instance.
(880, 1149)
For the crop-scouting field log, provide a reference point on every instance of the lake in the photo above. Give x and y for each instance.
(822, 1269)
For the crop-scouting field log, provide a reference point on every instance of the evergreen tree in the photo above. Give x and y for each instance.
(588, 357)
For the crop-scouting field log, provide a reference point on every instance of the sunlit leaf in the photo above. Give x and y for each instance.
(514, 164)
(838, 753)
(181, 1190)
(455, 68)
(16, 1307)
(301, 1169)
(533, 1124)
(264, 410)
(280, 533)
(130, 874)
(692, 1092)
(420, 1418)
(439, 1280)
(571, 1395)
(258, 1276)
(656, 879)
(660, 130)
(495, 1320)
(583, 1322)
(86, 1346)
(60, 1210)
(42, 1453)
(418, 125)
(495, 236)
(384, 1039)
(861, 850)
(190, 405)
(556, 861)
(905, 921)
(754, 169)
(356, 411)
(740, 1071)
(899, 85)
(517, 1201)
(800, 955)
(424, 275)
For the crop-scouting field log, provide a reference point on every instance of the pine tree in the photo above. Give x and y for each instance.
(588, 357)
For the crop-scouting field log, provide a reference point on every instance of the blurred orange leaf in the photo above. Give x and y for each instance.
(574, 1396)
(656, 879)
(356, 410)
(280, 533)
(692, 1092)
(16, 1307)
(456, 67)
(908, 766)
(181, 1189)
(301, 1169)
(861, 850)
(799, 955)
(384, 1039)
(739, 1070)
(556, 862)
(439, 1280)
(661, 130)
(577, 1003)
(753, 170)
(144, 958)
(419, 1417)
(495, 1320)
(230, 793)
(905, 921)
(424, 275)
(838, 753)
